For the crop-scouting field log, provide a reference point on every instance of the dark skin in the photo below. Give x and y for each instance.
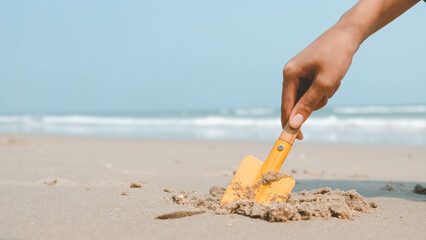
(314, 75)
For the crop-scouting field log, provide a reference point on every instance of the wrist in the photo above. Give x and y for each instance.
(358, 33)
(346, 36)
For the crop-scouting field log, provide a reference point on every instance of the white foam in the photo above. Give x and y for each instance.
(366, 123)
(380, 109)
(254, 111)
(333, 121)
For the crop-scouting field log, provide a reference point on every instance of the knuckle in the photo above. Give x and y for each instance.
(334, 90)
(322, 103)
(324, 84)
(325, 100)
(307, 106)
(290, 69)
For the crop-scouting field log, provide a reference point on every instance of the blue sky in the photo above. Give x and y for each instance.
(134, 56)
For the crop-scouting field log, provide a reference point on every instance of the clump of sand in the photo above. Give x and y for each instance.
(135, 185)
(271, 176)
(250, 191)
(179, 214)
(319, 203)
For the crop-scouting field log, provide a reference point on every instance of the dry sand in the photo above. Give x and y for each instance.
(80, 188)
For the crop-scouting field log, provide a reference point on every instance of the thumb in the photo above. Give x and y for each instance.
(305, 106)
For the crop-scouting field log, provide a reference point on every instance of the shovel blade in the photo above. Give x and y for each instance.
(275, 191)
(248, 173)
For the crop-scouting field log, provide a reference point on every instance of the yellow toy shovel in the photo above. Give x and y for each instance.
(251, 170)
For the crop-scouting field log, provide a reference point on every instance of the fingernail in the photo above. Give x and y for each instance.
(296, 121)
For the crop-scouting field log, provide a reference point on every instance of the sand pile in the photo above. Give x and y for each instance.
(319, 203)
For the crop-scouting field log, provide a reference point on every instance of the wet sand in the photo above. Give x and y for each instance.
(80, 188)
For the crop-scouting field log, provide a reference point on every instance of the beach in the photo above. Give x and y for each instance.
(57, 187)
(152, 119)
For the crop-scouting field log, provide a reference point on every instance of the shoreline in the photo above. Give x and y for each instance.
(5, 135)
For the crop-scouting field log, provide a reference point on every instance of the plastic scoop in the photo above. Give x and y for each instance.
(252, 169)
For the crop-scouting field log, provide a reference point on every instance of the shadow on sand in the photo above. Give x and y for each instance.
(366, 188)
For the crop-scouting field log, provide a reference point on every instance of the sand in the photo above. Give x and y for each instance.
(305, 205)
(54, 187)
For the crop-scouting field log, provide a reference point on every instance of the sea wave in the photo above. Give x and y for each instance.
(235, 125)
(207, 121)
(380, 109)
(254, 111)
(368, 124)
(333, 121)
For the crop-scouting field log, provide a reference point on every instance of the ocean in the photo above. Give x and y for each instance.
(378, 125)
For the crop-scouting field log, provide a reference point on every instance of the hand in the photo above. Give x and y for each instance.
(314, 75)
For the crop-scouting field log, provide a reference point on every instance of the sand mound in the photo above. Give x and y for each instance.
(319, 203)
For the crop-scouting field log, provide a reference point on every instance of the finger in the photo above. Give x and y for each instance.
(303, 86)
(299, 135)
(335, 89)
(322, 103)
(304, 107)
(288, 98)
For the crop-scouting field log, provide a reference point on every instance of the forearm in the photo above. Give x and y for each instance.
(369, 16)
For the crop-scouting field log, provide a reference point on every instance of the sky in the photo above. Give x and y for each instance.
(135, 56)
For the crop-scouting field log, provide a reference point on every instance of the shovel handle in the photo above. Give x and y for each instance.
(289, 134)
